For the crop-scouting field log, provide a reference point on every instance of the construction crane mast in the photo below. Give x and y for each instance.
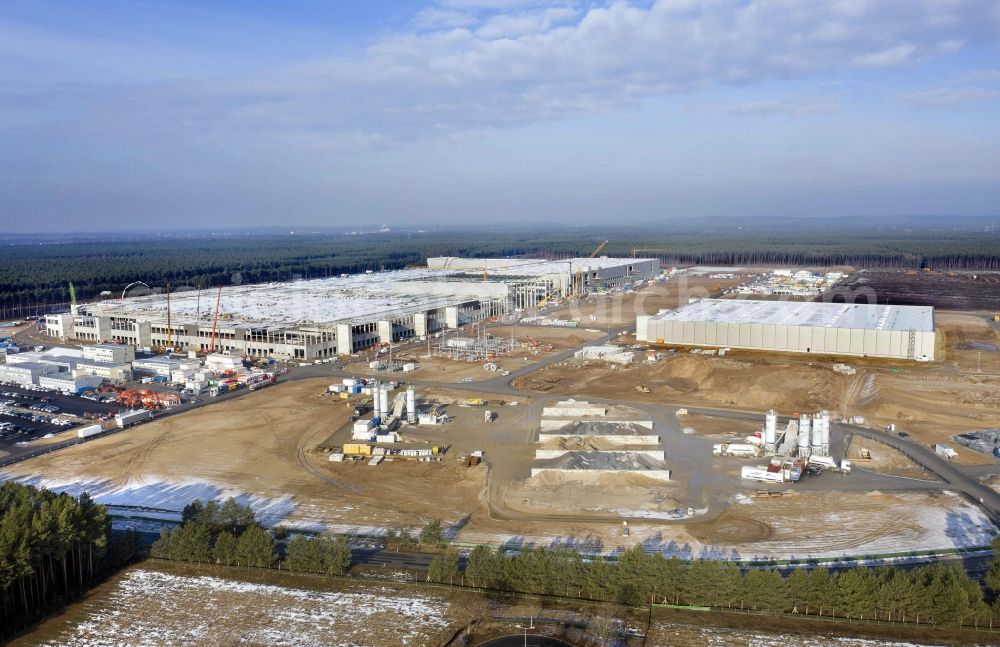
(215, 321)
(578, 280)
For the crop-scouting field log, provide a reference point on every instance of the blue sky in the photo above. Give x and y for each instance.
(179, 114)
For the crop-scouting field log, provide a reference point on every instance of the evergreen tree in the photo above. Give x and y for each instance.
(432, 534)
(255, 547)
(444, 568)
(225, 549)
(484, 567)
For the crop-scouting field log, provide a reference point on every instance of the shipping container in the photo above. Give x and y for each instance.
(88, 431)
(357, 448)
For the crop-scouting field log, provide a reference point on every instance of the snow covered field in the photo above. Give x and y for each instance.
(149, 607)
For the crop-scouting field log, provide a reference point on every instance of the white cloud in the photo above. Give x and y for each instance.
(948, 97)
(888, 57)
(789, 108)
(478, 64)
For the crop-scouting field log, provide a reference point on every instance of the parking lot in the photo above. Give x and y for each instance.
(27, 414)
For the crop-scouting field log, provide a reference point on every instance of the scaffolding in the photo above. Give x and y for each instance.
(475, 349)
(387, 365)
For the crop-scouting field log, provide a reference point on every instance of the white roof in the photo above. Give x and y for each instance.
(364, 297)
(527, 266)
(315, 301)
(814, 314)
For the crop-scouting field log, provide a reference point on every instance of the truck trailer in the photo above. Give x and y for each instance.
(129, 418)
(88, 431)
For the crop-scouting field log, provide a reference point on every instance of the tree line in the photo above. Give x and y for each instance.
(930, 594)
(34, 278)
(53, 547)
(230, 535)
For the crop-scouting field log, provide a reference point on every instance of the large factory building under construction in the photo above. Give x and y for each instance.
(321, 318)
(898, 332)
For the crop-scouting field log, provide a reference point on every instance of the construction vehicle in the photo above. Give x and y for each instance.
(864, 455)
(473, 402)
(642, 388)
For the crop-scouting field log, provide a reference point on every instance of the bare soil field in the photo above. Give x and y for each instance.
(949, 290)
(622, 309)
(934, 406)
(884, 459)
(259, 448)
(864, 523)
(797, 525)
(629, 494)
(720, 427)
(692, 379)
(550, 340)
(969, 342)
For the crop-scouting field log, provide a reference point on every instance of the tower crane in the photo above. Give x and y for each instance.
(578, 280)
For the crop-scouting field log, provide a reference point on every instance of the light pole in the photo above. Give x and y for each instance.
(531, 625)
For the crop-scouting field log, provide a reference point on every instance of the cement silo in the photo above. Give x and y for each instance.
(411, 405)
(770, 431)
(377, 410)
(383, 395)
(821, 434)
(804, 435)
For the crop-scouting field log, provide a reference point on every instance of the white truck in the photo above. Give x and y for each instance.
(88, 431)
(129, 418)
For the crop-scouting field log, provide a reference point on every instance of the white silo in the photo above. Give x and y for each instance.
(383, 395)
(770, 430)
(804, 435)
(411, 405)
(824, 436)
(817, 434)
(376, 401)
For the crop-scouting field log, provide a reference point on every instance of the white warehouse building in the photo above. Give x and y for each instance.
(321, 318)
(898, 332)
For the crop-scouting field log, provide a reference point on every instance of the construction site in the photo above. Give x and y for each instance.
(324, 318)
(562, 426)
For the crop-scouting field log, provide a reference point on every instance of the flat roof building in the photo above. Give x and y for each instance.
(901, 332)
(320, 318)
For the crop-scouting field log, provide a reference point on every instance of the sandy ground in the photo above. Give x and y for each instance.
(441, 368)
(969, 341)
(884, 459)
(934, 406)
(718, 427)
(622, 308)
(797, 525)
(631, 494)
(695, 379)
(260, 448)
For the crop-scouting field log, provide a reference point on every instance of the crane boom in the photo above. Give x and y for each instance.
(215, 321)
(578, 279)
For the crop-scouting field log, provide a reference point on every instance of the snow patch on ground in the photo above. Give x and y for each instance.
(167, 497)
(154, 608)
